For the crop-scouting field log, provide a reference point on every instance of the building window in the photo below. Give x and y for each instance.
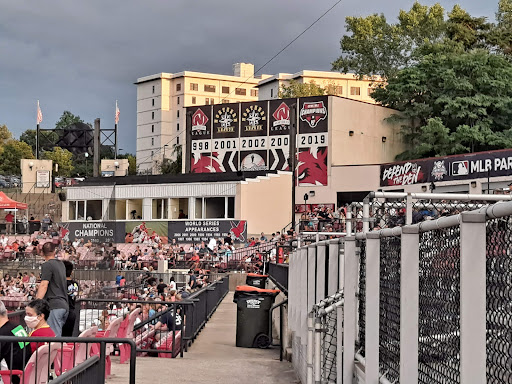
(225, 89)
(153, 115)
(178, 100)
(207, 101)
(152, 141)
(178, 126)
(254, 92)
(240, 91)
(355, 91)
(152, 102)
(338, 90)
(178, 113)
(193, 99)
(152, 153)
(225, 101)
(152, 128)
(178, 87)
(153, 89)
(271, 92)
(194, 87)
(177, 141)
(209, 88)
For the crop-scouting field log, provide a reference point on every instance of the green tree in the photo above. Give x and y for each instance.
(11, 154)
(501, 35)
(5, 134)
(374, 47)
(296, 89)
(63, 158)
(452, 103)
(67, 119)
(132, 162)
(173, 167)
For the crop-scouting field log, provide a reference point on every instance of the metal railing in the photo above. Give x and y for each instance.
(278, 273)
(63, 359)
(423, 303)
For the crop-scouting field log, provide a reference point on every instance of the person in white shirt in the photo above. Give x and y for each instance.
(4, 240)
(172, 285)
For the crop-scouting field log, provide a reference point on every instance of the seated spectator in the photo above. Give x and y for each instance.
(14, 354)
(36, 316)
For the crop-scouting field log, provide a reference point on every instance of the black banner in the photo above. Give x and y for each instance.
(312, 114)
(459, 167)
(96, 232)
(185, 231)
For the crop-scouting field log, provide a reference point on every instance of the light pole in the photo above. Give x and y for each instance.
(86, 157)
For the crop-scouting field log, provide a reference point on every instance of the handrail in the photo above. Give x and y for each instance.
(82, 367)
(281, 313)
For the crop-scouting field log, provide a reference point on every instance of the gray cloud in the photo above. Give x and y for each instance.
(82, 56)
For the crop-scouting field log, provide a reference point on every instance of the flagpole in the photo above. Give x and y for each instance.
(115, 133)
(37, 132)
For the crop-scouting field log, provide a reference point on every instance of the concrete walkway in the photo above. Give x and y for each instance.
(213, 358)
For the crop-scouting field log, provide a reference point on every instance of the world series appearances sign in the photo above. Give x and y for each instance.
(204, 230)
(460, 167)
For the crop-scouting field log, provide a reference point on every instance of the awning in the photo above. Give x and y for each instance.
(8, 203)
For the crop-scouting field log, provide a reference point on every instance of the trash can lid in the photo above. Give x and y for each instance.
(256, 275)
(247, 288)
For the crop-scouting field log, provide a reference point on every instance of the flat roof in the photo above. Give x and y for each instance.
(309, 73)
(200, 75)
(170, 179)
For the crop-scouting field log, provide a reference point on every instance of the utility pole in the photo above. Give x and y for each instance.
(293, 155)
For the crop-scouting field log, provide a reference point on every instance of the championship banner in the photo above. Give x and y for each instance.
(145, 231)
(204, 230)
(96, 232)
(254, 136)
(312, 145)
(458, 167)
(200, 144)
(226, 138)
(279, 134)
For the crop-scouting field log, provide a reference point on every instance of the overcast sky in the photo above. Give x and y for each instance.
(83, 55)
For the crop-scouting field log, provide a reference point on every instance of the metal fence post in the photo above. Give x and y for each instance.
(320, 271)
(333, 267)
(409, 304)
(372, 307)
(472, 298)
(348, 221)
(366, 214)
(317, 369)
(311, 277)
(309, 349)
(350, 306)
(408, 209)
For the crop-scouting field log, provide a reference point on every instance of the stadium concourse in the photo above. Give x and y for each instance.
(213, 358)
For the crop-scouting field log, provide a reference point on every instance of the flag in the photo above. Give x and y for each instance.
(39, 114)
(117, 113)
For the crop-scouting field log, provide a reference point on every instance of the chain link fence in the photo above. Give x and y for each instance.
(499, 300)
(361, 298)
(439, 303)
(389, 306)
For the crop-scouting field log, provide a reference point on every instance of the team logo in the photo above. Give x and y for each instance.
(199, 120)
(282, 116)
(253, 115)
(460, 168)
(439, 170)
(238, 229)
(313, 113)
(226, 117)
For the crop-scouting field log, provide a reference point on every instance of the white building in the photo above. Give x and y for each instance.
(161, 102)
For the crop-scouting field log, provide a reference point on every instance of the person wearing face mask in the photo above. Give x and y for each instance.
(36, 314)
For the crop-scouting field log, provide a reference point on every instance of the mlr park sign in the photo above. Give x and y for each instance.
(436, 169)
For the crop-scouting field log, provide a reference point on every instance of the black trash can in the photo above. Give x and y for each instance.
(253, 315)
(255, 280)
